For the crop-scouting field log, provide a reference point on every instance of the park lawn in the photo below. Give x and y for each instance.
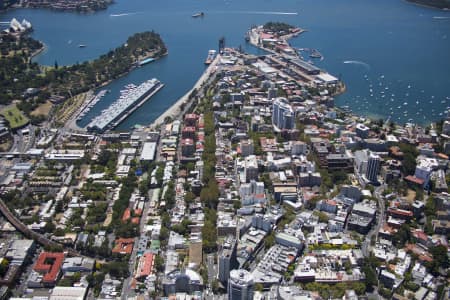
(411, 196)
(43, 109)
(14, 116)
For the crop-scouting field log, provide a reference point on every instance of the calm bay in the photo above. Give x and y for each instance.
(392, 55)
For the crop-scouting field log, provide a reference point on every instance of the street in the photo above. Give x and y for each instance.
(365, 247)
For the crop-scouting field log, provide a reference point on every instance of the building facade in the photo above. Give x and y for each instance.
(240, 285)
(283, 116)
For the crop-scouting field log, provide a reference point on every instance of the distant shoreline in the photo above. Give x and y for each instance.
(418, 3)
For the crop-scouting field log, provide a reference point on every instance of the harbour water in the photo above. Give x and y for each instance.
(392, 55)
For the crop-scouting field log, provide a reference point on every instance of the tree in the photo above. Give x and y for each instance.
(59, 232)
(4, 266)
(430, 206)
(259, 287)
(269, 240)
(189, 197)
(209, 231)
(49, 227)
(402, 236)
(410, 153)
(118, 269)
(323, 217)
(338, 177)
(368, 268)
(159, 263)
(440, 259)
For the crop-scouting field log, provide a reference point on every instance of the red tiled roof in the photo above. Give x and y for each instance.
(414, 179)
(145, 265)
(420, 235)
(425, 258)
(50, 264)
(400, 212)
(123, 246)
(126, 215)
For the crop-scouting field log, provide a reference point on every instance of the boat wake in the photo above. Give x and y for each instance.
(357, 62)
(273, 13)
(123, 14)
(250, 12)
(440, 18)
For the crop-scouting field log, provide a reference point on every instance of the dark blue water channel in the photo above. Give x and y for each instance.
(392, 55)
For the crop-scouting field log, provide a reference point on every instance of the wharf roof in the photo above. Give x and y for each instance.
(304, 65)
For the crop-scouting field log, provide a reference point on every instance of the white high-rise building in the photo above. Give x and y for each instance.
(361, 161)
(283, 116)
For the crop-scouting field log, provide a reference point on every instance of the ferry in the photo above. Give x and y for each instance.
(131, 98)
(199, 14)
(81, 46)
(210, 58)
(145, 61)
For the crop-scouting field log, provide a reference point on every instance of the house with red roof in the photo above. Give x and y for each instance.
(400, 213)
(145, 266)
(123, 246)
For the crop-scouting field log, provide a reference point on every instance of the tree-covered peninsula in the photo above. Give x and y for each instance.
(18, 74)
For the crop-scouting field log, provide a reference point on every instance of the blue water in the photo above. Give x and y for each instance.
(396, 53)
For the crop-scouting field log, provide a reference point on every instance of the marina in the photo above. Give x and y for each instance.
(131, 98)
(91, 104)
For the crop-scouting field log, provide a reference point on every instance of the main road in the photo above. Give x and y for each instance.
(365, 248)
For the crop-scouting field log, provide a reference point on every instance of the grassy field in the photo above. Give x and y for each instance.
(43, 109)
(411, 196)
(14, 116)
